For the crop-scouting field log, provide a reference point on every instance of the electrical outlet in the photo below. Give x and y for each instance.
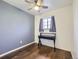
(20, 41)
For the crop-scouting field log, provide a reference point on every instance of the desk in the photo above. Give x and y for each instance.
(46, 37)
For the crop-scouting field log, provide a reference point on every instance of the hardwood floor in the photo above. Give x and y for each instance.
(44, 52)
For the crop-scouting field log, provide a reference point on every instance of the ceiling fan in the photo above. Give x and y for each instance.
(37, 4)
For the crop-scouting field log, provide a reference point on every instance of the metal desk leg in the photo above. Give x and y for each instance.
(39, 43)
(54, 46)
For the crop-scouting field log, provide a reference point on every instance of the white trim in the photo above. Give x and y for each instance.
(16, 49)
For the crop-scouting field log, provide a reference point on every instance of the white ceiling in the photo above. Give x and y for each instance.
(52, 4)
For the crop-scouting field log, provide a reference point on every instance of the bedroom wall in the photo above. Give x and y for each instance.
(64, 28)
(16, 27)
(75, 17)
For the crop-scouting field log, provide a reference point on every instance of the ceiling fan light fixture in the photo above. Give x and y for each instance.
(36, 7)
(36, 4)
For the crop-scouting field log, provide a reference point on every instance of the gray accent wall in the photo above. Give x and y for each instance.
(15, 26)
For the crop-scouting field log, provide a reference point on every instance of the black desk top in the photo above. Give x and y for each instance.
(47, 37)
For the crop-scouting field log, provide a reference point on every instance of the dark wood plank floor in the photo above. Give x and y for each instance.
(43, 52)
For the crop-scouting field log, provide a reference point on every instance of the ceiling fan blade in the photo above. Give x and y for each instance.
(35, 1)
(38, 2)
(29, 9)
(28, 1)
(44, 7)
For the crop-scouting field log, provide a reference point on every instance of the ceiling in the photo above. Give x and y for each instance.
(52, 4)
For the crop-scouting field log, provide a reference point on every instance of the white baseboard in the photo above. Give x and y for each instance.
(16, 49)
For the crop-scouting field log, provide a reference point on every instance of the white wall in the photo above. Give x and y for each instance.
(64, 26)
(75, 16)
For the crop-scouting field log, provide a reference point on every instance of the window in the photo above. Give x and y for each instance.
(46, 23)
